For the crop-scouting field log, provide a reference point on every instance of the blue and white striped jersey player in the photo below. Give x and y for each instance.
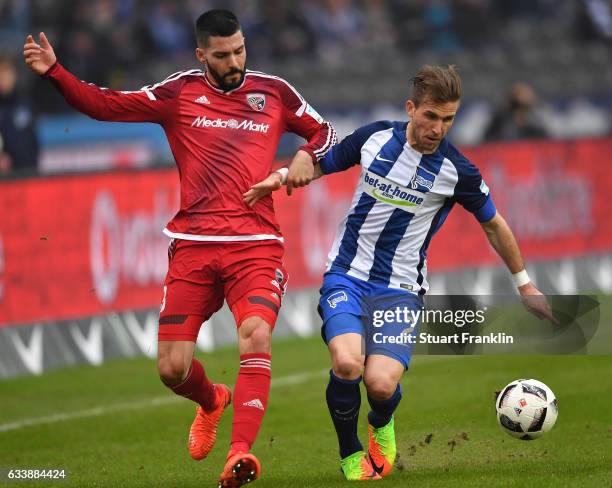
(411, 177)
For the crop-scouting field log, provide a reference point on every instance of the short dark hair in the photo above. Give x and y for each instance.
(437, 84)
(217, 22)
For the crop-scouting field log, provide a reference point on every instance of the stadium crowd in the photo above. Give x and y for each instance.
(120, 43)
(337, 50)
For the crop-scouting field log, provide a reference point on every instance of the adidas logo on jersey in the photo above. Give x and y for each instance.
(256, 403)
(202, 100)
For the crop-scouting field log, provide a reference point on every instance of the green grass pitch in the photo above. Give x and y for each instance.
(129, 431)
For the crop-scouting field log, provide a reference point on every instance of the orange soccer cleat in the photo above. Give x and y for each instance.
(203, 432)
(240, 468)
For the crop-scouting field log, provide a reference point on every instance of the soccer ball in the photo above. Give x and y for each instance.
(526, 409)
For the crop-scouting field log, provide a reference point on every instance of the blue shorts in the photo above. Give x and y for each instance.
(386, 318)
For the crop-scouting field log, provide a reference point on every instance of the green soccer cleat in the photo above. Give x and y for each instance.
(381, 447)
(357, 467)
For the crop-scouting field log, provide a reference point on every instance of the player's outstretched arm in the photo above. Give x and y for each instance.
(272, 183)
(340, 157)
(502, 239)
(89, 99)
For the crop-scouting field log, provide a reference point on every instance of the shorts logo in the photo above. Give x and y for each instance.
(335, 298)
(279, 275)
(408, 331)
(256, 101)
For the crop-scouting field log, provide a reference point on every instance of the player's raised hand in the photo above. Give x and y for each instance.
(536, 302)
(301, 171)
(39, 56)
(263, 188)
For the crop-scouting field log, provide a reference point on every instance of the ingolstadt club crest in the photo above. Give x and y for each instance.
(256, 101)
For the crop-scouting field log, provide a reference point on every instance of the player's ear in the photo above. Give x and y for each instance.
(199, 52)
(410, 108)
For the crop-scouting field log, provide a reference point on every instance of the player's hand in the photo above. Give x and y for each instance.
(39, 57)
(263, 188)
(301, 171)
(536, 303)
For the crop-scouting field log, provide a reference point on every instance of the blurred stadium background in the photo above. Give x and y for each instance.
(82, 256)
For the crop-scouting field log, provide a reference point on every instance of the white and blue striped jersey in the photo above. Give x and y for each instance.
(401, 201)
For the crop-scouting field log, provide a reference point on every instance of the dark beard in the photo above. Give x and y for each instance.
(224, 85)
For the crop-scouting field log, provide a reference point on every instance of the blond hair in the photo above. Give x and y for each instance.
(436, 84)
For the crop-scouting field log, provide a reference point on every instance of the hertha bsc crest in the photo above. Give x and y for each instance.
(256, 101)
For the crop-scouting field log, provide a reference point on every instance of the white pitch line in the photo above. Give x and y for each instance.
(294, 379)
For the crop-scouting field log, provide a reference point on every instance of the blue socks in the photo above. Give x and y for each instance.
(383, 410)
(343, 400)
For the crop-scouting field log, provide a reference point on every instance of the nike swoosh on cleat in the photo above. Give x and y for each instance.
(376, 468)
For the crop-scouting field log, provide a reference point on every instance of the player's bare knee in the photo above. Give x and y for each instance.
(347, 366)
(171, 369)
(255, 335)
(379, 387)
(260, 339)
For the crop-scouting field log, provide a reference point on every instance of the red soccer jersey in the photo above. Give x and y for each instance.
(223, 142)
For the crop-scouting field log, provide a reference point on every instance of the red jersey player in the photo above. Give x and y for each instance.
(223, 125)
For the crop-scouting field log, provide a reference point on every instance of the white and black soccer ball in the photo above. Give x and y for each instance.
(526, 409)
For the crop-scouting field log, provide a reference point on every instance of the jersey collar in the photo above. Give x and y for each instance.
(219, 90)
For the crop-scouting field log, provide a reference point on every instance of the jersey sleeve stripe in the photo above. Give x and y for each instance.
(149, 94)
(173, 77)
(327, 140)
(300, 111)
(332, 139)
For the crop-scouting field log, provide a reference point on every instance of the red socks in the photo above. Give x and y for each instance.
(250, 399)
(250, 395)
(197, 387)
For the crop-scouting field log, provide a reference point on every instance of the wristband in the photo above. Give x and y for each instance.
(283, 172)
(521, 278)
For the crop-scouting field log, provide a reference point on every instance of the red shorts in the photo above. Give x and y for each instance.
(249, 275)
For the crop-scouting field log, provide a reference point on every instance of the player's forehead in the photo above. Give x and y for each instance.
(225, 44)
(441, 109)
